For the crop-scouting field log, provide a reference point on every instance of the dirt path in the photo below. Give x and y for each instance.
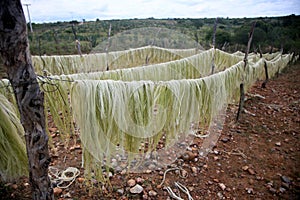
(257, 158)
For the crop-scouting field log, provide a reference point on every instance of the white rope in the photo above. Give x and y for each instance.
(173, 195)
(182, 188)
(59, 177)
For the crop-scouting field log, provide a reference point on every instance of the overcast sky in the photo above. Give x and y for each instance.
(67, 10)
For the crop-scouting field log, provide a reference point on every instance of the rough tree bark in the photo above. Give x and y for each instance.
(14, 50)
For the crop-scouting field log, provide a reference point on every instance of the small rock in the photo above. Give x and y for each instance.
(225, 140)
(148, 171)
(123, 172)
(222, 186)
(216, 180)
(285, 179)
(145, 196)
(80, 179)
(120, 191)
(282, 190)
(272, 190)
(158, 186)
(152, 193)
(220, 195)
(245, 168)
(285, 185)
(139, 180)
(131, 182)
(194, 170)
(137, 189)
(278, 144)
(26, 184)
(14, 186)
(188, 156)
(184, 173)
(57, 191)
(110, 175)
(251, 171)
(67, 195)
(151, 167)
(250, 190)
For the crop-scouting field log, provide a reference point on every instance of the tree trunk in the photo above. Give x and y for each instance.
(14, 49)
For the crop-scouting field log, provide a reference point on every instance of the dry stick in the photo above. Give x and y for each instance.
(54, 34)
(260, 53)
(107, 46)
(242, 90)
(263, 85)
(214, 46)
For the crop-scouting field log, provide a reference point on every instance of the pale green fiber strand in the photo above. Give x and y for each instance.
(13, 162)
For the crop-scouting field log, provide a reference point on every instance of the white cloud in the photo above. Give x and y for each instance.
(66, 10)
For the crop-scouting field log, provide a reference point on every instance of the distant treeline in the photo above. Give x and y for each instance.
(270, 34)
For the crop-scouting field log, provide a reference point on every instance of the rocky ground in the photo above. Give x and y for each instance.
(256, 158)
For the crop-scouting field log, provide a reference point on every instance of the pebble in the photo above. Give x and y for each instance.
(250, 190)
(188, 156)
(222, 186)
(285, 185)
(131, 182)
(225, 140)
(152, 193)
(216, 180)
(151, 167)
(251, 171)
(57, 191)
(80, 179)
(272, 190)
(282, 190)
(67, 195)
(245, 168)
(184, 173)
(285, 179)
(278, 144)
(194, 170)
(120, 191)
(14, 186)
(137, 189)
(139, 180)
(123, 172)
(220, 195)
(251, 181)
(26, 184)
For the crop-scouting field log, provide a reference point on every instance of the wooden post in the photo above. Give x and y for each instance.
(242, 90)
(14, 50)
(260, 53)
(263, 85)
(54, 34)
(107, 47)
(214, 46)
